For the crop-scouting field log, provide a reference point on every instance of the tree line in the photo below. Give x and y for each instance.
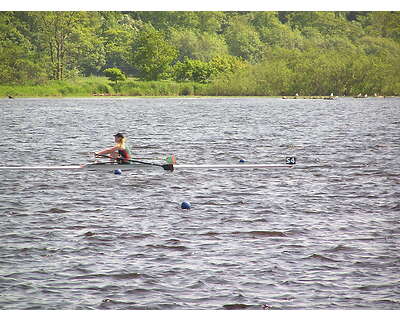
(234, 53)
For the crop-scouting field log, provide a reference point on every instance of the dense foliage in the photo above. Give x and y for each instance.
(233, 53)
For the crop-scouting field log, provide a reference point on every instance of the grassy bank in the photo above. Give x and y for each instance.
(100, 86)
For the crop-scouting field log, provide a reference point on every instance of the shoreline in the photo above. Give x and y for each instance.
(100, 87)
(194, 97)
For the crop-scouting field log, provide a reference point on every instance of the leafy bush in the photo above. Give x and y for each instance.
(114, 74)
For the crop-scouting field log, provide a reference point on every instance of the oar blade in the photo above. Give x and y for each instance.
(168, 167)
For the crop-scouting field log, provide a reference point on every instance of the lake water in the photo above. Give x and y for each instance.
(323, 235)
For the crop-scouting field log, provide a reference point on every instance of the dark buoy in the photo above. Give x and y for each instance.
(242, 161)
(186, 205)
(117, 171)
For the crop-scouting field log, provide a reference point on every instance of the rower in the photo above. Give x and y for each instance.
(120, 152)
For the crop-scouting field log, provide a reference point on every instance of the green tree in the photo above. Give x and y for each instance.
(211, 45)
(271, 78)
(382, 23)
(193, 70)
(324, 22)
(117, 32)
(211, 22)
(86, 51)
(185, 41)
(264, 19)
(227, 63)
(203, 72)
(55, 28)
(280, 35)
(194, 45)
(69, 41)
(152, 55)
(114, 74)
(18, 60)
(243, 39)
(201, 21)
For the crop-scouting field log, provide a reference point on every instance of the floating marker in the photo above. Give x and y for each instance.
(186, 205)
(117, 171)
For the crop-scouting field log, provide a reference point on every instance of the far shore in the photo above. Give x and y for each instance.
(190, 97)
(101, 87)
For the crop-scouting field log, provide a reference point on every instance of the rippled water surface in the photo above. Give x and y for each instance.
(323, 235)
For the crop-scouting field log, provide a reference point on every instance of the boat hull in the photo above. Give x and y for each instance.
(88, 166)
(122, 167)
(107, 166)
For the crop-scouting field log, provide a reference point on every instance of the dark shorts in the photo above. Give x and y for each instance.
(123, 157)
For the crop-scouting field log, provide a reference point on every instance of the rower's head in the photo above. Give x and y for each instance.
(119, 138)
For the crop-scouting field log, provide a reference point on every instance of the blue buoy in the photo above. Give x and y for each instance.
(186, 205)
(117, 171)
(242, 161)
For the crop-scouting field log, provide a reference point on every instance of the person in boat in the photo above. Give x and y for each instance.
(120, 152)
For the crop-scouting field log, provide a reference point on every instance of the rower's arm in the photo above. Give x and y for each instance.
(108, 150)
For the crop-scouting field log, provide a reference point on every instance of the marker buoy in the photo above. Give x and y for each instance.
(186, 205)
(117, 171)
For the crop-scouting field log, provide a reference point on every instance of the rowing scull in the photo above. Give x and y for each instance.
(137, 164)
(113, 166)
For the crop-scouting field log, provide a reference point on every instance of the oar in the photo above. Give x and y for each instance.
(169, 159)
(168, 166)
